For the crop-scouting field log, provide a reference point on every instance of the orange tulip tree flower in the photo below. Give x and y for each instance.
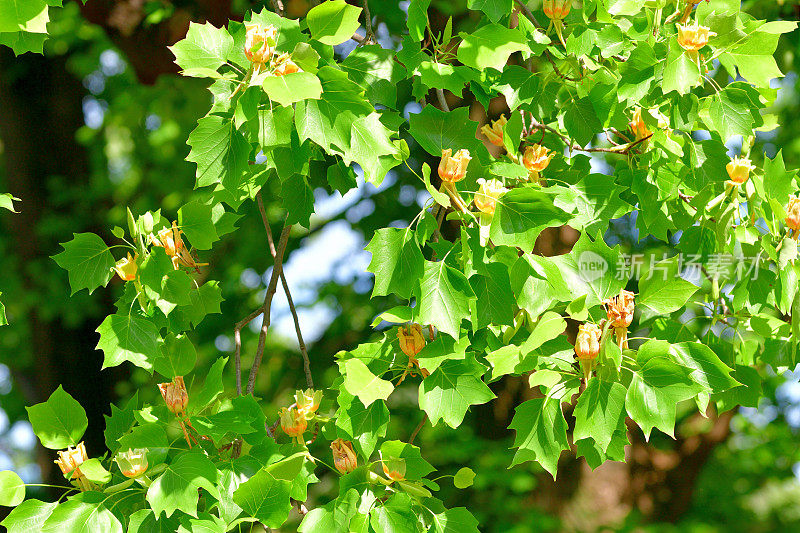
(487, 195)
(344, 457)
(495, 132)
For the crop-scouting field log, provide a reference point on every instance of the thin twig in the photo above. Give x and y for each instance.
(303, 350)
(277, 5)
(417, 429)
(616, 150)
(370, 35)
(442, 101)
(271, 288)
(237, 338)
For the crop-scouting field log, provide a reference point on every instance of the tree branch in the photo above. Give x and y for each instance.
(271, 288)
(369, 37)
(442, 101)
(277, 5)
(417, 429)
(529, 15)
(237, 338)
(285, 284)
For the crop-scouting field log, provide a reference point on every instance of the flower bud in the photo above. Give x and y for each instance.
(536, 158)
(637, 125)
(394, 468)
(453, 168)
(70, 459)
(739, 170)
(587, 343)
(259, 44)
(126, 267)
(344, 457)
(693, 37)
(293, 422)
(175, 395)
(495, 132)
(411, 340)
(793, 214)
(619, 309)
(486, 197)
(284, 65)
(308, 401)
(132, 463)
(557, 9)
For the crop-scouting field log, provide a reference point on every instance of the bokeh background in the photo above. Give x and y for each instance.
(100, 121)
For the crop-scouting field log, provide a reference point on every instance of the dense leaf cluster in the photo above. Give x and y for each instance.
(620, 82)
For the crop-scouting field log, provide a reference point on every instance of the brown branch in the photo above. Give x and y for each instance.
(277, 5)
(369, 37)
(237, 338)
(442, 101)
(271, 288)
(285, 284)
(572, 146)
(417, 429)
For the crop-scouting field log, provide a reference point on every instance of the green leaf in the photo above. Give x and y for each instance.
(88, 261)
(394, 515)
(95, 472)
(196, 221)
(370, 142)
(448, 393)
(59, 422)
(374, 69)
(150, 436)
(490, 46)
(418, 18)
(731, 112)
(333, 22)
(707, 370)
(3, 319)
(7, 202)
(541, 433)
(176, 489)
(12, 489)
(220, 151)
(591, 268)
(361, 425)
(212, 386)
(663, 291)
(494, 9)
(29, 516)
(27, 15)
(86, 513)
(329, 120)
(654, 393)
(547, 328)
(778, 182)
(397, 261)
(334, 517)
(600, 412)
(596, 199)
(521, 215)
(436, 130)
(178, 357)
(581, 121)
(495, 299)
(456, 520)
(298, 200)
(128, 338)
(275, 127)
(681, 74)
(416, 466)
(443, 297)
(362, 383)
(754, 57)
(291, 88)
(464, 478)
(265, 498)
(519, 85)
(205, 47)
(120, 422)
(144, 521)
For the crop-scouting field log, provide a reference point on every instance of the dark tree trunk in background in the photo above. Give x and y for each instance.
(41, 105)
